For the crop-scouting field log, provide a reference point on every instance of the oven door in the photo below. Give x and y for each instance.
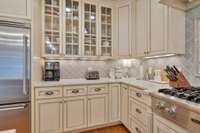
(15, 118)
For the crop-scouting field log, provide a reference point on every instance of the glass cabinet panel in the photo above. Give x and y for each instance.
(52, 36)
(72, 22)
(106, 31)
(90, 29)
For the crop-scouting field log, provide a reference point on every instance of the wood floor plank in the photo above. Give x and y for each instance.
(114, 129)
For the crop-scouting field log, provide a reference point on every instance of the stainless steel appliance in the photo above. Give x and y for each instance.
(15, 77)
(165, 105)
(51, 71)
(92, 75)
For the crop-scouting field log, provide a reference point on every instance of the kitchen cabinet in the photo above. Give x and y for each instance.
(75, 113)
(90, 27)
(156, 27)
(49, 116)
(124, 105)
(163, 126)
(52, 33)
(72, 28)
(114, 102)
(20, 9)
(106, 30)
(142, 36)
(97, 109)
(124, 36)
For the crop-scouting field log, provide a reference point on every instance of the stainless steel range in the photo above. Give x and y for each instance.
(174, 105)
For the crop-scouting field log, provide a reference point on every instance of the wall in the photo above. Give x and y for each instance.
(186, 62)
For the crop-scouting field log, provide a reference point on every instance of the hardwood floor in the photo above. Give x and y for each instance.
(114, 129)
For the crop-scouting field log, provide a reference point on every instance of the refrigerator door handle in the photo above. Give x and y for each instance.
(12, 107)
(25, 80)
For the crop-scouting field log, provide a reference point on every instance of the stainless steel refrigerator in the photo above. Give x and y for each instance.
(15, 77)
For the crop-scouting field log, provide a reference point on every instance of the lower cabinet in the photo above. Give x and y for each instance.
(164, 126)
(97, 109)
(124, 105)
(75, 113)
(49, 116)
(114, 102)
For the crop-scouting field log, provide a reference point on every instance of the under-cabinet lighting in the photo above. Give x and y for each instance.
(160, 56)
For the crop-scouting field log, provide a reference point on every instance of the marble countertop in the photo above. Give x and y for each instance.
(141, 84)
(148, 86)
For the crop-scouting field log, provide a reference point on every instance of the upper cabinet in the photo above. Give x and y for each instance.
(52, 22)
(124, 36)
(159, 29)
(90, 28)
(77, 28)
(17, 9)
(72, 28)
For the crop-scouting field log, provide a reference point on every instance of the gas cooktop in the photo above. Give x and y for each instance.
(191, 94)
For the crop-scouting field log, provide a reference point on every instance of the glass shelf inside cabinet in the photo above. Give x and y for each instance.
(72, 21)
(52, 27)
(90, 32)
(106, 31)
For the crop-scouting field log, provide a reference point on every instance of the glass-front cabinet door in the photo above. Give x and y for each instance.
(90, 29)
(106, 31)
(72, 28)
(52, 22)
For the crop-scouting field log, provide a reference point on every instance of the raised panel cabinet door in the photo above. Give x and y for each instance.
(160, 127)
(142, 13)
(49, 116)
(158, 23)
(75, 116)
(97, 110)
(15, 8)
(114, 102)
(124, 105)
(124, 29)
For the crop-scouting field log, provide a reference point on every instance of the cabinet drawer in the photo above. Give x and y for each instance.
(140, 95)
(75, 91)
(50, 92)
(137, 127)
(98, 89)
(137, 110)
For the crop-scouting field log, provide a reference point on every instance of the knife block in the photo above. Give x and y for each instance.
(181, 82)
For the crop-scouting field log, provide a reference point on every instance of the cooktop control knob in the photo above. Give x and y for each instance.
(171, 110)
(160, 105)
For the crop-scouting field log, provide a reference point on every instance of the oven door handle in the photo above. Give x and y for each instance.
(12, 107)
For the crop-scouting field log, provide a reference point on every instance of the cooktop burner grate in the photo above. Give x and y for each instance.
(191, 94)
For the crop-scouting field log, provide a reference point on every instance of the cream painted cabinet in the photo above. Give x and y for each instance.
(124, 105)
(114, 102)
(75, 115)
(49, 116)
(158, 26)
(141, 27)
(164, 126)
(97, 109)
(124, 29)
(16, 8)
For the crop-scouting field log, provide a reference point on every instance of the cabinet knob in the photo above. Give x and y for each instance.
(138, 94)
(75, 91)
(138, 130)
(97, 89)
(138, 111)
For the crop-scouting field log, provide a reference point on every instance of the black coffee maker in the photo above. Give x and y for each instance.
(51, 71)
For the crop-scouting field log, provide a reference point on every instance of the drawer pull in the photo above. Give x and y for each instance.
(138, 94)
(138, 111)
(49, 93)
(138, 130)
(97, 89)
(195, 121)
(75, 91)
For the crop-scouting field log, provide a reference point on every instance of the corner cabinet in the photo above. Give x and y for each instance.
(124, 29)
(156, 27)
(77, 28)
